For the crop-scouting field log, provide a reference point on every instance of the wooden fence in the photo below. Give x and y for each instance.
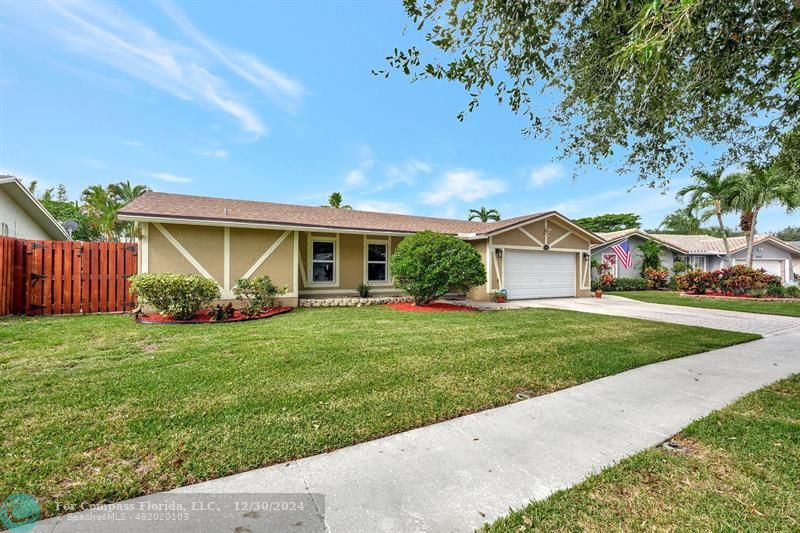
(62, 277)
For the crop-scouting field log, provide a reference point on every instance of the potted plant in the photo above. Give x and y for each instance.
(501, 296)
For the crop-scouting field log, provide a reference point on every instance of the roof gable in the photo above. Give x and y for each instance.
(23, 197)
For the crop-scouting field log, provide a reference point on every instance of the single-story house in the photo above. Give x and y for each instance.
(327, 252)
(702, 252)
(795, 258)
(23, 217)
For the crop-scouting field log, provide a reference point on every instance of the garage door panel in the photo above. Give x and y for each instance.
(771, 266)
(535, 274)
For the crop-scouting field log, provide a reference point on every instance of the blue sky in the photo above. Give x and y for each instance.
(276, 102)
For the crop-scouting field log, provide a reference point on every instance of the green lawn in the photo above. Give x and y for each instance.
(100, 408)
(674, 298)
(741, 473)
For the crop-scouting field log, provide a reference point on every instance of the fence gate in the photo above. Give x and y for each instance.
(62, 277)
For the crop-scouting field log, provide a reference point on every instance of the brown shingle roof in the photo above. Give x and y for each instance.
(181, 206)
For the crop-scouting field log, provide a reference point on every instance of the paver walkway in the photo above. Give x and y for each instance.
(460, 474)
(691, 316)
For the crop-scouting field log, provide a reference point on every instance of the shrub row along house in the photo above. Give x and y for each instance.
(702, 252)
(328, 252)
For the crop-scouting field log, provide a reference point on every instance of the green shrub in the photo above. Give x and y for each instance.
(428, 265)
(775, 290)
(364, 290)
(651, 255)
(258, 293)
(792, 291)
(180, 296)
(678, 267)
(657, 278)
(629, 284)
(221, 312)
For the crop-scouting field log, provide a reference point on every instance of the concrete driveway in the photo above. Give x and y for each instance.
(765, 325)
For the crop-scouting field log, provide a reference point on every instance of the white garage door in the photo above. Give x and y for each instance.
(772, 266)
(534, 274)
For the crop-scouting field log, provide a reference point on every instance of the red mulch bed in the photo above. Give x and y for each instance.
(433, 307)
(203, 317)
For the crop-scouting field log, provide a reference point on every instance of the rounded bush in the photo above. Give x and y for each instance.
(180, 296)
(428, 265)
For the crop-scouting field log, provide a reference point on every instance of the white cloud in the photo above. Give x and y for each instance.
(109, 35)
(135, 144)
(171, 178)
(380, 206)
(404, 173)
(279, 86)
(355, 178)
(219, 154)
(542, 174)
(464, 185)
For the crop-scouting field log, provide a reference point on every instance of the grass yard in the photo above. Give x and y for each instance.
(674, 298)
(98, 408)
(741, 473)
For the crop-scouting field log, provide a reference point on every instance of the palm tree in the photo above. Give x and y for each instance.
(125, 192)
(681, 221)
(101, 208)
(759, 187)
(710, 191)
(484, 215)
(335, 201)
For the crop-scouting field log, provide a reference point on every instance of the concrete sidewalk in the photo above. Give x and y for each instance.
(460, 474)
(762, 324)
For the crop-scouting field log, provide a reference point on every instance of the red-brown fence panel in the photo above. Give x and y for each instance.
(58, 277)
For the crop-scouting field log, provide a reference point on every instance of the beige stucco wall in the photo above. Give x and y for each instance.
(350, 264)
(206, 244)
(20, 224)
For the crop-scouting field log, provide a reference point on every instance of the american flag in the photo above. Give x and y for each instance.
(623, 251)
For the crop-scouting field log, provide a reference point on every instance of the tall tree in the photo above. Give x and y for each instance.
(789, 233)
(682, 221)
(709, 193)
(640, 80)
(484, 215)
(101, 208)
(759, 187)
(124, 193)
(610, 222)
(335, 201)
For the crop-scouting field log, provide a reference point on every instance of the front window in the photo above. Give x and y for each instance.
(611, 260)
(697, 262)
(377, 262)
(323, 255)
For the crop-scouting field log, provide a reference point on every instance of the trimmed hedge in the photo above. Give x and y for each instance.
(621, 284)
(736, 280)
(179, 296)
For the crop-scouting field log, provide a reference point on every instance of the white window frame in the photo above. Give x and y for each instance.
(693, 262)
(386, 242)
(310, 266)
(615, 270)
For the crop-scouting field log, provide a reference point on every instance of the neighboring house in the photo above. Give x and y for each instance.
(23, 217)
(795, 258)
(322, 251)
(704, 252)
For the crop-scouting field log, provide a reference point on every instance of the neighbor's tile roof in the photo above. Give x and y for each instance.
(691, 244)
(180, 206)
(613, 235)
